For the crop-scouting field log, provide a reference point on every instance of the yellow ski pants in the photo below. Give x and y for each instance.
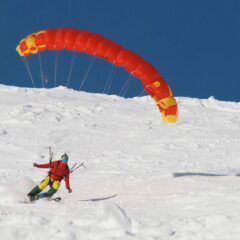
(49, 181)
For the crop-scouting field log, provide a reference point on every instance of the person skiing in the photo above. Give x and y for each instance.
(58, 170)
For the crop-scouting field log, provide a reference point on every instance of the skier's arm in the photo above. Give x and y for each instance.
(66, 178)
(44, 165)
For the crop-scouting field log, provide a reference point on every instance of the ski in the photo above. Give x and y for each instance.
(34, 199)
(56, 199)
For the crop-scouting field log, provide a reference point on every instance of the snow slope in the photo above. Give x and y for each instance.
(146, 179)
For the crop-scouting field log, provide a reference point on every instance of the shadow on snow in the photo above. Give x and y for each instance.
(98, 199)
(199, 174)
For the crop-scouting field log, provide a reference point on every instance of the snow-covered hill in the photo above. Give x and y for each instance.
(149, 180)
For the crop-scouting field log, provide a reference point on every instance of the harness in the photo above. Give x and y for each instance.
(56, 167)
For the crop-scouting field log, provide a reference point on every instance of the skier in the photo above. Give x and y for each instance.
(58, 170)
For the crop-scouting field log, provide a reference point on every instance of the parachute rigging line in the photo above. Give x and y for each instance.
(125, 86)
(44, 73)
(141, 93)
(125, 92)
(71, 68)
(109, 79)
(87, 72)
(56, 58)
(41, 68)
(25, 62)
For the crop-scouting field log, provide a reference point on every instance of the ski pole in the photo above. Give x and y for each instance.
(50, 155)
(73, 166)
(74, 169)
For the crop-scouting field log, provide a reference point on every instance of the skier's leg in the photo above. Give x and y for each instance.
(39, 187)
(34, 192)
(44, 183)
(54, 187)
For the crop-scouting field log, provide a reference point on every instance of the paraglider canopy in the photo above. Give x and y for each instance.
(97, 45)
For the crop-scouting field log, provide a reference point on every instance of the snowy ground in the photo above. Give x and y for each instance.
(172, 181)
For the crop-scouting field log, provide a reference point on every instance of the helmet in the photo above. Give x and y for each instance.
(64, 157)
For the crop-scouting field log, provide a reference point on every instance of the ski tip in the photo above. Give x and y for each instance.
(56, 199)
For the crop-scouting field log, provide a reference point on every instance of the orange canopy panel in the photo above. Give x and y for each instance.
(94, 44)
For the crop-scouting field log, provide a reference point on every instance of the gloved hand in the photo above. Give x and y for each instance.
(69, 190)
(35, 164)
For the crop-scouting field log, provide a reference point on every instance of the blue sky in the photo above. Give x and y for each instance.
(193, 43)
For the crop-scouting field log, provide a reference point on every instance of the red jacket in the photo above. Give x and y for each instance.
(59, 170)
